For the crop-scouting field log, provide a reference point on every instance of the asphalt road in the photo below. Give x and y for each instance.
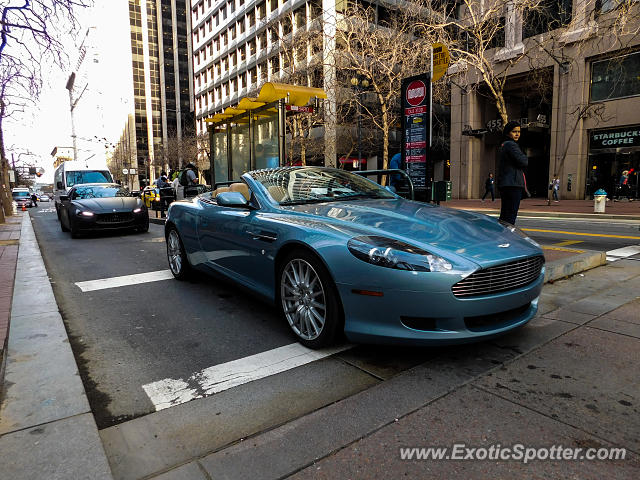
(131, 336)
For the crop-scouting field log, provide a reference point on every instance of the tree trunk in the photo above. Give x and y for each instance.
(5, 186)
(385, 142)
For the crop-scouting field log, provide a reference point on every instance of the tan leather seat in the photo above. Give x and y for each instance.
(243, 188)
(219, 190)
(278, 193)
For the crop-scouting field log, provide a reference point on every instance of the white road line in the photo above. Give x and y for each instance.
(620, 253)
(171, 392)
(125, 280)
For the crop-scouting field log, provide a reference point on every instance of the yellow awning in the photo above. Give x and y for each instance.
(270, 92)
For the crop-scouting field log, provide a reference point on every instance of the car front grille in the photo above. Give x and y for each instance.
(118, 217)
(500, 278)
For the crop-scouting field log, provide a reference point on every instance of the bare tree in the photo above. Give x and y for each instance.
(383, 50)
(29, 38)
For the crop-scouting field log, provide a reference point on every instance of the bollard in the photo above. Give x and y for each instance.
(599, 201)
(24, 207)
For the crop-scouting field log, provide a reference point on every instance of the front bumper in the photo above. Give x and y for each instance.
(436, 317)
(87, 224)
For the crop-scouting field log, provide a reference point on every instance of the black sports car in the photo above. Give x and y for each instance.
(101, 206)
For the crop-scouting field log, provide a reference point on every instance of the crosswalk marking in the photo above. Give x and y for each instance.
(123, 281)
(624, 252)
(171, 392)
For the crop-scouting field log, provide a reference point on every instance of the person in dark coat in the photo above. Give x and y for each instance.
(511, 181)
(488, 188)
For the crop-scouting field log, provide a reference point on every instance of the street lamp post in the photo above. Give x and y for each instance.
(359, 84)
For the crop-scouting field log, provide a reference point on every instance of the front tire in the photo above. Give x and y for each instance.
(309, 300)
(144, 228)
(177, 257)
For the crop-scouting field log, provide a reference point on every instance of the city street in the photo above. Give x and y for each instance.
(191, 377)
(128, 338)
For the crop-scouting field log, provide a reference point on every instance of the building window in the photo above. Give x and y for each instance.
(261, 10)
(274, 5)
(232, 6)
(547, 16)
(224, 13)
(616, 77)
(241, 26)
(252, 47)
(243, 53)
(251, 17)
(232, 32)
(217, 19)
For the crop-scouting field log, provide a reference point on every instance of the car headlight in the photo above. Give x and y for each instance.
(137, 210)
(390, 253)
(520, 233)
(85, 213)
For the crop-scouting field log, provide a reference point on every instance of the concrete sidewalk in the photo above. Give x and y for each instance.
(47, 430)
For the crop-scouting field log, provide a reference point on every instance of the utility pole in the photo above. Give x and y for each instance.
(72, 106)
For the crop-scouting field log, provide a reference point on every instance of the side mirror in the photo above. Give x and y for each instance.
(59, 186)
(231, 199)
(64, 198)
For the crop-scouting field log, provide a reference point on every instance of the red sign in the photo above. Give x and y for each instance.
(294, 108)
(415, 110)
(416, 93)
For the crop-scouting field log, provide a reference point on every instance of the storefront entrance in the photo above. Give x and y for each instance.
(614, 161)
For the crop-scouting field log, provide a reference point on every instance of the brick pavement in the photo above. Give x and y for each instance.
(9, 238)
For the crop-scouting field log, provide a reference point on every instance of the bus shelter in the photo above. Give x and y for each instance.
(252, 135)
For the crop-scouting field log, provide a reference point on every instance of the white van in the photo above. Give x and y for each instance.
(74, 172)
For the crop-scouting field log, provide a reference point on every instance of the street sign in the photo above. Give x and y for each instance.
(132, 171)
(125, 171)
(295, 108)
(440, 61)
(415, 128)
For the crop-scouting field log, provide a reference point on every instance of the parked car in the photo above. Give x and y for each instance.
(44, 197)
(337, 252)
(22, 197)
(101, 206)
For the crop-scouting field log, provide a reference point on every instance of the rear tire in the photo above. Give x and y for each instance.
(177, 257)
(309, 300)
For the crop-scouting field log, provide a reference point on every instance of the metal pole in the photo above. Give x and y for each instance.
(359, 135)
(73, 127)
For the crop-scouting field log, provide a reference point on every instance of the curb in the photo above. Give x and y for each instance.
(562, 268)
(47, 429)
(157, 221)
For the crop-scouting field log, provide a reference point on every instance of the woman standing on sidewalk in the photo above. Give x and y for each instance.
(511, 182)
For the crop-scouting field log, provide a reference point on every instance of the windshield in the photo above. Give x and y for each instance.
(292, 186)
(94, 191)
(88, 176)
(20, 194)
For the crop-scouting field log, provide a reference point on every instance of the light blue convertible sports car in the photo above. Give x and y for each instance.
(337, 252)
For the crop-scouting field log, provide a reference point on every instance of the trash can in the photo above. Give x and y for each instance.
(599, 201)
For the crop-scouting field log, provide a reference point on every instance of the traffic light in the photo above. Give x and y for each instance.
(38, 174)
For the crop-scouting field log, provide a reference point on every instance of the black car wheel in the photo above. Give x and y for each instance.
(73, 229)
(144, 228)
(62, 225)
(176, 255)
(309, 299)
(58, 213)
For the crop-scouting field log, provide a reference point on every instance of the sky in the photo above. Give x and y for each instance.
(102, 109)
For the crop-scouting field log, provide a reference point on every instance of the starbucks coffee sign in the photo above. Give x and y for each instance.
(615, 137)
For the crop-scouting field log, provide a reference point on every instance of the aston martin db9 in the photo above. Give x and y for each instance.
(336, 252)
(101, 206)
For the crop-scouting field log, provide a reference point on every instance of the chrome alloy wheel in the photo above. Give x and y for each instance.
(303, 299)
(174, 252)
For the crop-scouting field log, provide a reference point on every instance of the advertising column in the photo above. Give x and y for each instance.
(415, 130)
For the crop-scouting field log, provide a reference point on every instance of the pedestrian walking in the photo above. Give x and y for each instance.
(511, 182)
(555, 184)
(488, 188)
(34, 199)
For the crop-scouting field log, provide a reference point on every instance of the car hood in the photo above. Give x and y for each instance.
(440, 230)
(108, 205)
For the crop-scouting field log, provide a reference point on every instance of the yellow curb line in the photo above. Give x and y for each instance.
(547, 247)
(580, 233)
